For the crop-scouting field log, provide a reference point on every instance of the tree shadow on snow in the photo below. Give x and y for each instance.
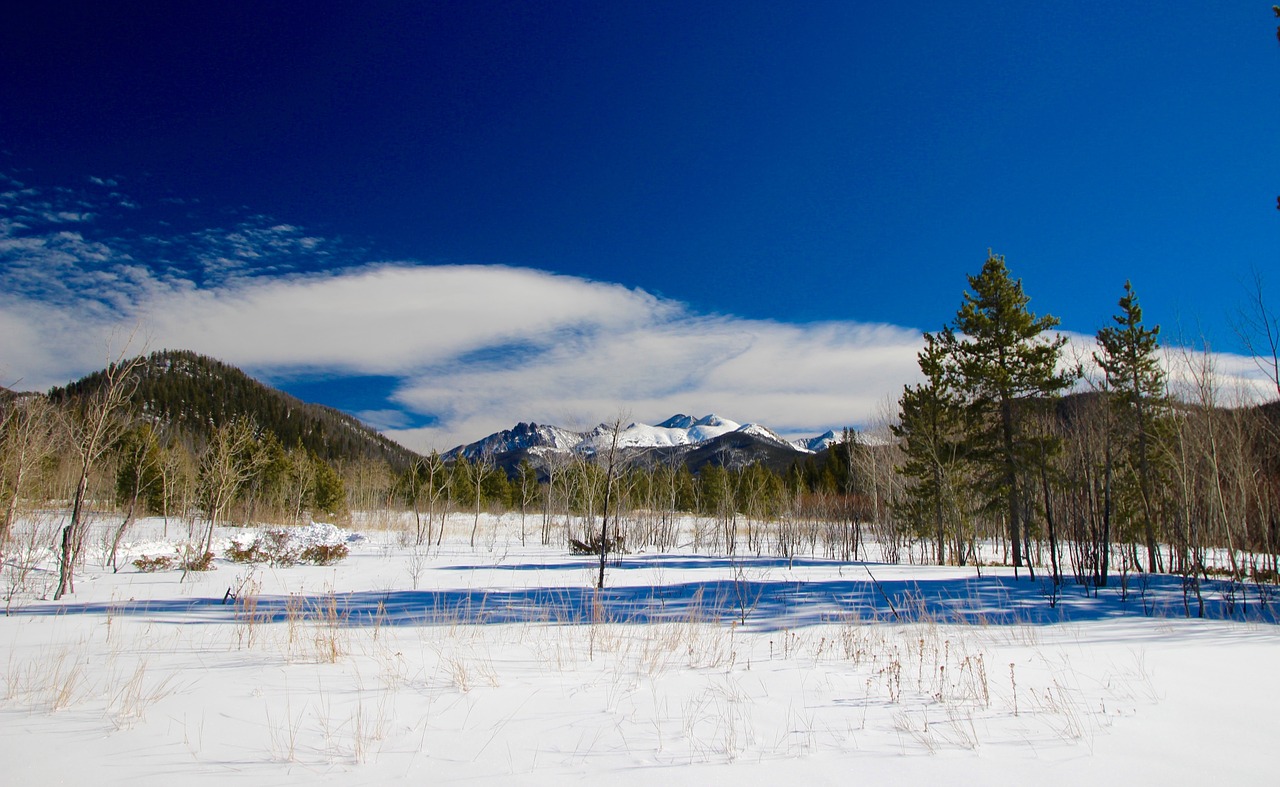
(758, 604)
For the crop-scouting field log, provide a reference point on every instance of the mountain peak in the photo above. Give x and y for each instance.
(678, 421)
(816, 444)
(765, 432)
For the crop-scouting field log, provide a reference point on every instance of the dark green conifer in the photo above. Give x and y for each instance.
(1006, 366)
(931, 428)
(1135, 382)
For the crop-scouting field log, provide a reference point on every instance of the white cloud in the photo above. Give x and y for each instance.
(388, 319)
(385, 420)
(1191, 374)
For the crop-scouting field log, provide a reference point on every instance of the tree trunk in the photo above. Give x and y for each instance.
(938, 520)
(1144, 488)
(70, 540)
(1053, 533)
(1011, 479)
(120, 531)
(1104, 539)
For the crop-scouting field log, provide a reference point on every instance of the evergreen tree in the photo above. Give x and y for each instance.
(496, 488)
(758, 491)
(464, 491)
(1006, 365)
(1136, 383)
(329, 494)
(931, 428)
(685, 494)
(714, 490)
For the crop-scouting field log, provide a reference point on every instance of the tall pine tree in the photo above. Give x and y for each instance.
(1136, 385)
(1006, 366)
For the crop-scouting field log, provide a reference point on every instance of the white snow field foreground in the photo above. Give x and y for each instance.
(501, 665)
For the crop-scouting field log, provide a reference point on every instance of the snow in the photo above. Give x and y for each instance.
(678, 421)
(537, 438)
(299, 538)
(637, 435)
(815, 444)
(501, 664)
(710, 427)
(756, 430)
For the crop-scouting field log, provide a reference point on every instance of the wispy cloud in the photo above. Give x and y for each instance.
(473, 348)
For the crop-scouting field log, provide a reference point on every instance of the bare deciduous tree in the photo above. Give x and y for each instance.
(1259, 328)
(612, 467)
(556, 465)
(231, 458)
(527, 492)
(28, 436)
(93, 423)
(299, 480)
(425, 480)
(480, 470)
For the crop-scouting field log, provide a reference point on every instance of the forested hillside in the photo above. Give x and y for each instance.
(198, 394)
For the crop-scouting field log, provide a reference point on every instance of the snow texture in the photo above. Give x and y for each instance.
(501, 664)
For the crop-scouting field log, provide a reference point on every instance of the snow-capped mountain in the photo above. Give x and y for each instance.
(815, 444)
(531, 437)
(678, 430)
(764, 433)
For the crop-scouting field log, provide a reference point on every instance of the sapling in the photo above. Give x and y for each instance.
(1013, 681)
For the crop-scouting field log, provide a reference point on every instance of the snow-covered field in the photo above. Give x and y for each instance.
(501, 664)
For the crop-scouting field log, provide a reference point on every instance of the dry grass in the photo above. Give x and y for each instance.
(328, 633)
(131, 699)
(249, 620)
(48, 683)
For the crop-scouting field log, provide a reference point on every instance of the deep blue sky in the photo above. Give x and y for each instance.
(794, 162)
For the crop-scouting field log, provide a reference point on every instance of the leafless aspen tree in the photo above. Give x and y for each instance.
(28, 435)
(93, 423)
(481, 469)
(232, 457)
(612, 466)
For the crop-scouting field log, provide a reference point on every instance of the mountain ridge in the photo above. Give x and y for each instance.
(678, 436)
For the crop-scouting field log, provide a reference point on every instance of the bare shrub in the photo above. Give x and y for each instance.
(280, 546)
(324, 554)
(195, 560)
(29, 544)
(149, 564)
